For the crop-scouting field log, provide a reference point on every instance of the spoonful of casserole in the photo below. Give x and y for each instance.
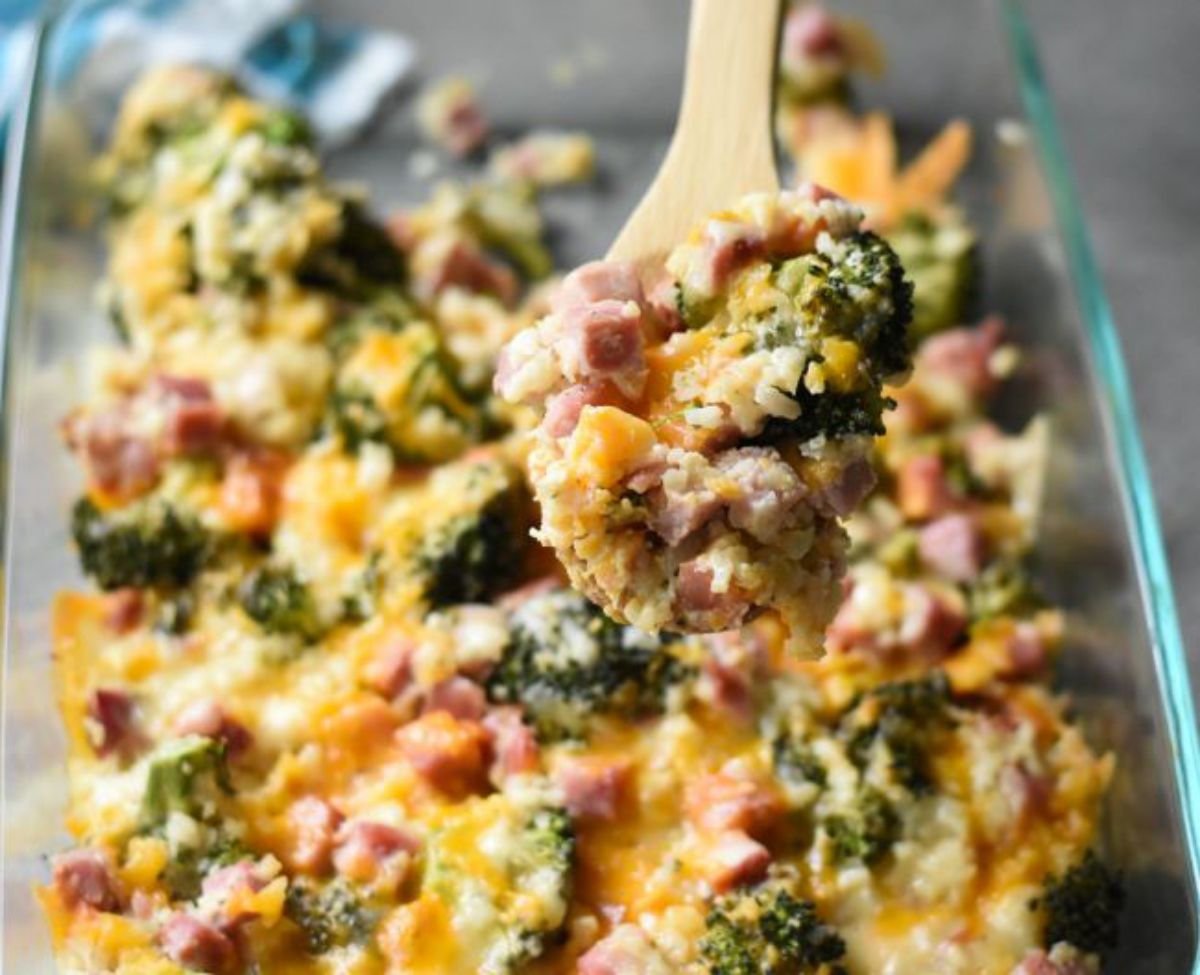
(708, 393)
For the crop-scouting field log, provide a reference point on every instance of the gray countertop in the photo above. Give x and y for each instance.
(1126, 82)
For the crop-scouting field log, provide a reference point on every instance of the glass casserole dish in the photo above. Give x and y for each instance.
(613, 70)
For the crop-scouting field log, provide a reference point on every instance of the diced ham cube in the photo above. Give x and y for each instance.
(197, 945)
(450, 754)
(809, 32)
(563, 409)
(123, 609)
(184, 389)
(923, 490)
(697, 601)
(729, 687)
(514, 745)
(932, 626)
(626, 950)
(120, 463)
(1068, 962)
(366, 850)
(1028, 653)
(598, 281)
(676, 515)
(194, 428)
(465, 128)
(609, 338)
(458, 696)
(721, 801)
(963, 356)
(594, 786)
(663, 299)
(1027, 792)
(731, 859)
(953, 546)
(84, 877)
(390, 670)
(463, 265)
(516, 598)
(236, 876)
(729, 246)
(208, 718)
(313, 823)
(848, 489)
(113, 728)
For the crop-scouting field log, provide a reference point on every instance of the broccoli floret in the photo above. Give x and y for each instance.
(941, 257)
(523, 916)
(867, 832)
(853, 290)
(282, 127)
(328, 917)
(186, 775)
(902, 719)
(1083, 906)
(1004, 588)
(356, 264)
(280, 602)
(768, 929)
(149, 543)
(795, 761)
(566, 660)
(400, 387)
(188, 866)
(505, 219)
(475, 554)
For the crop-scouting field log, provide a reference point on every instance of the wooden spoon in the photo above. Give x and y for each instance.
(723, 147)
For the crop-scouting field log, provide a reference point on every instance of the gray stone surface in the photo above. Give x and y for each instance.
(1126, 82)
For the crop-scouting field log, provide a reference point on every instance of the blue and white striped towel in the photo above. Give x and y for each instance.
(336, 74)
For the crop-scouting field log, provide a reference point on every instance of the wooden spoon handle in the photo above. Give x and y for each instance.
(728, 88)
(723, 146)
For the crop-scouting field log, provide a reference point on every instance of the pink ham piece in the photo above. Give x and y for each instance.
(1039, 963)
(624, 951)
(964, 356)
(365, 849)
(594, 786)
(209, 719)
(809, 32)
(723, 801)
(118, 462)
(729, 246)
(695, 599)
(608, 336)
(450, 754)
(197, 945)
(923, 490)
(221, 887)
(195, 423)
(729, 688)
(459, 696)
(847, 491)
(111, 712)
(676, 515)
(514, 747)
(731, 859)
(83, 877)
(390, 670)
(954, 547)
(123, 610)
(1028, 653)
(466, 128)
(563, 409)
(313, 823)
(463, 265)
(598, 281)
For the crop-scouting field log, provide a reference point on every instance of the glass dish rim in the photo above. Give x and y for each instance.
(1102, 342)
